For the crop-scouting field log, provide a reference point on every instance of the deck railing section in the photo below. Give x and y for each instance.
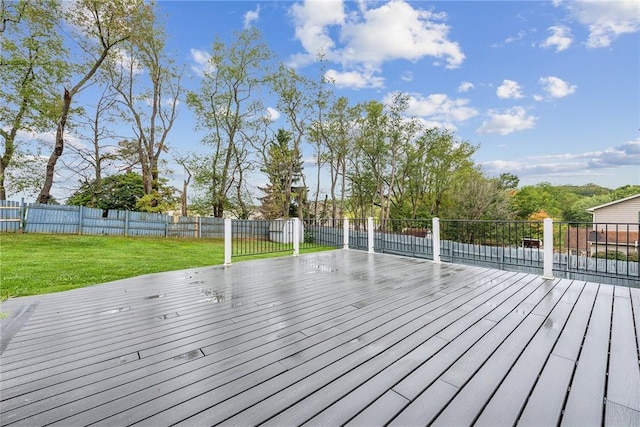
(499, 243)
(597, 251)
(603, 252)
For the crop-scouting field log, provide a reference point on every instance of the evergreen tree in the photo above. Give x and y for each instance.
(282, 165)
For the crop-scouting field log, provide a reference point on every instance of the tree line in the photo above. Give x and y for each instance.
(369, 158)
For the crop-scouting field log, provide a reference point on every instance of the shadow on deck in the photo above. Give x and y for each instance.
(332, 338)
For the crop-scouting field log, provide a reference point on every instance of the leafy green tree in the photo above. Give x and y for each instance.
(32, 62)
(624, 192)
(369, 158)
(123, 191)
(228, 105)
(476, 197)
(116, 192)
(339, 140)
(445, 155)
(508, 181)
(97, 26)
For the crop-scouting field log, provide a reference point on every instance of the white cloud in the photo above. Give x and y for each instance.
(354, 79)
(272, 114)
(515, 38)
(407, 76)
(438, 109)
(626, 154)
(560, 38)
(465, 87)
(312, 20)
(396, 30)
(48, 138)
(509, 90)
(556, 87)
(570, 164)
(125, 62)
(606, 20)
(366, 38)
(251, 16)
(202, 62)
(512, 120)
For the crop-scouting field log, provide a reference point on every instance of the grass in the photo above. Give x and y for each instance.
(34, 264)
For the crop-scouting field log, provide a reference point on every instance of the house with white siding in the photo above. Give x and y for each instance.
(615, 226)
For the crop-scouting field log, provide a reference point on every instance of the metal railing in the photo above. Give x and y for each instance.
(502, 244)
(606, 252)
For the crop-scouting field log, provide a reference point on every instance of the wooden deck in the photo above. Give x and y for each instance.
(340, 337)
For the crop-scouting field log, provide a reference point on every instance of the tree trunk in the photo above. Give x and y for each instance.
(45, 193)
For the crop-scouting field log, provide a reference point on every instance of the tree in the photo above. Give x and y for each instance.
(282, 164)
(94, 161)
(98, 26)
(338, 138)
(445, 155)
(401, 133)
(369, 159)
(140, 59)
(228, 106)
(116, 192)
(508, 181)
(31, 64)
(476, 197)
(123, 191)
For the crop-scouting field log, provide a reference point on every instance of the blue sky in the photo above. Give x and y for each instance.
(549, 90)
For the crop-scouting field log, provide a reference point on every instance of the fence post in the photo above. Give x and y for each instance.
(80, 213)
(227, 241)
(126, 223)
(370, 235)
(345, 234)
(547, 243)
(296, 236)
(23, 216)
(436, 239)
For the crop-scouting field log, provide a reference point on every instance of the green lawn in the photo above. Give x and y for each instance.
(33, 264)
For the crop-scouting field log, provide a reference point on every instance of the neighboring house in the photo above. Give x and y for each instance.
(623, 211)
(576, 240)
(615, 226)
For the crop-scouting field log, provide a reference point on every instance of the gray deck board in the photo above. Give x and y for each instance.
(623, 384)
(585, 403)
(334, 338)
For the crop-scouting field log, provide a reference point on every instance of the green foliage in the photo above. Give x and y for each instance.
(476, 197)
(125, 192)
(544, 196)
(114, 192)
(587, 190)
(226, 107)
(283, 167)
(32, 63)
(159, 201)
(613, 255)
(566, 202)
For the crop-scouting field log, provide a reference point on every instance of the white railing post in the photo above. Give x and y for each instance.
(370, 235)
(296, 236)
(227, 241)
(345, 234)
(547, 243)
(435, 232)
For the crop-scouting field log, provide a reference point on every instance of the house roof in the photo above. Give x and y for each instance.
(613, 237)
(613, 203)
